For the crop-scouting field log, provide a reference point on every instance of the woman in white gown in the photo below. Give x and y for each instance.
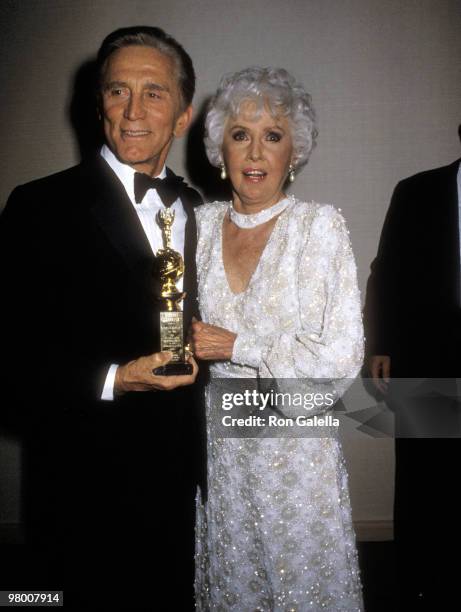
(279, 299)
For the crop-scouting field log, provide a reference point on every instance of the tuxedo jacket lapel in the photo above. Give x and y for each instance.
(116, 216)
(190, 275)
(445, 198)
(432, 234)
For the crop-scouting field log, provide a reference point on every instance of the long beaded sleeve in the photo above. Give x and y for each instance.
(327, 339)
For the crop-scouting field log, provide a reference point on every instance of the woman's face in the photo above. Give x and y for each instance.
(257, 152)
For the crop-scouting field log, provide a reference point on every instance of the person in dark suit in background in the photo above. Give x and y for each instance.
(113, 453)
(413, 328)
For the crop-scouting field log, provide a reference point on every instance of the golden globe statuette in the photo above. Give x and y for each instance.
(170, 267)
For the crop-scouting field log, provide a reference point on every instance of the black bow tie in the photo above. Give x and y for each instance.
(167, 188)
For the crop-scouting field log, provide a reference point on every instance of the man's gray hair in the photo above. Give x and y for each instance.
(271, 88)
(150, 36)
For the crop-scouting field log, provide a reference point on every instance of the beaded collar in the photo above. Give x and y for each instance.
(248, 221)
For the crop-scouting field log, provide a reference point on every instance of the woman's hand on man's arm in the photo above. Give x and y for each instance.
(210, 342)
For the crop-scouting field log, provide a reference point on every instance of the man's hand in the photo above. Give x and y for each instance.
(380, 370)
(210, 342)
(137, 375)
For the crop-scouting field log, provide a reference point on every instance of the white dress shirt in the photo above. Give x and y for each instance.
(146, 211)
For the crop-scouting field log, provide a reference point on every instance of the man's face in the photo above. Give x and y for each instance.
(142, 107)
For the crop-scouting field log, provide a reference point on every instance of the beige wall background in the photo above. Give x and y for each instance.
(385, 78)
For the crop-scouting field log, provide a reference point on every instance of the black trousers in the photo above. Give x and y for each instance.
(427, 522)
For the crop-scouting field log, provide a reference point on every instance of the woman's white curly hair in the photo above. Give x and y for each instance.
(272, 88)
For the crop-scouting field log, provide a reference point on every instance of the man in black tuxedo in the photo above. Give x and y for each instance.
(413, 321)
(113, 452)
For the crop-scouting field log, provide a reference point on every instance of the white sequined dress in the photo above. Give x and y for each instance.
(276, 532)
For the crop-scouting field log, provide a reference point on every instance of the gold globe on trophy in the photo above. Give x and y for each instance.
(170, 267)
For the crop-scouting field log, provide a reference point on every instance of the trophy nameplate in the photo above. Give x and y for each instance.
(170, 267)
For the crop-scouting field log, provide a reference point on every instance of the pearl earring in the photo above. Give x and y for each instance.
(291, 174)
(223, 172)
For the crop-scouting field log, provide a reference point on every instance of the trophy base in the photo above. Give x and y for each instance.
(178, 368)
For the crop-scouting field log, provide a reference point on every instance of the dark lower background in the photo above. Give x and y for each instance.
(377, 565)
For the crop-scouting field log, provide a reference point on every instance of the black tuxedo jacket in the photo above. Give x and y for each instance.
(104, 480)
(412, 310)
(413, 315)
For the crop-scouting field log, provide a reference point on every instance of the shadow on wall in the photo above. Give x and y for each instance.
(201, 173)
(83, 110)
